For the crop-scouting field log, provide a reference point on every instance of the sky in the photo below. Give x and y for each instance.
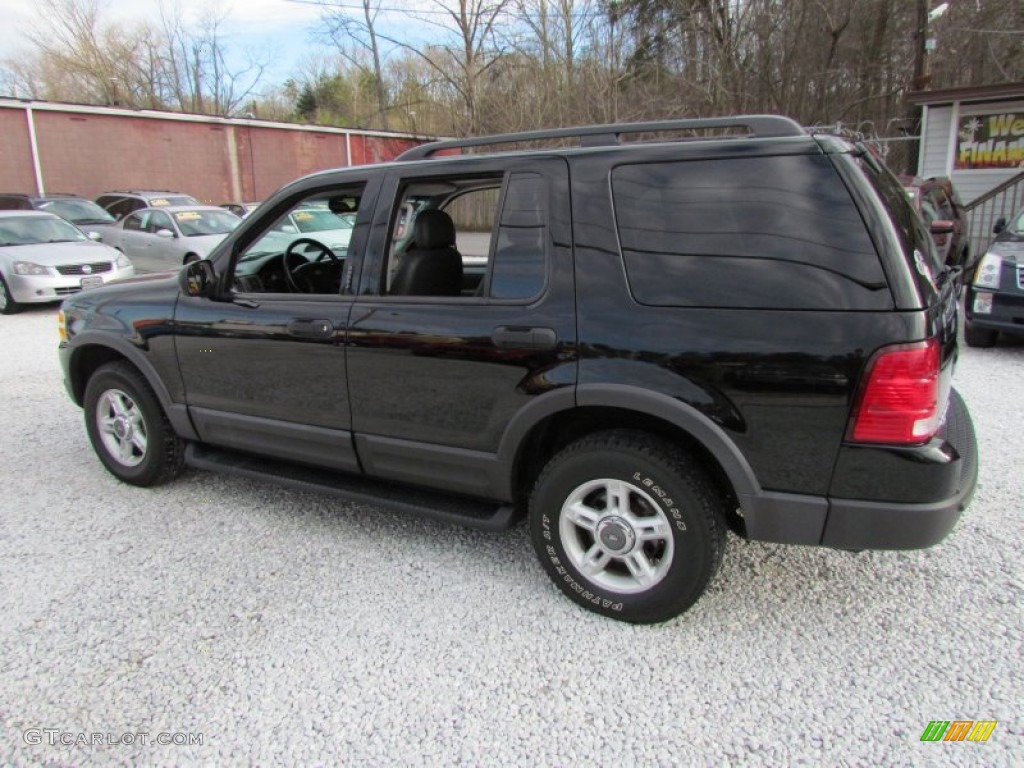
(282, 29)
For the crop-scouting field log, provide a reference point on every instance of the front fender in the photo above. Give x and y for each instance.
(110, 346)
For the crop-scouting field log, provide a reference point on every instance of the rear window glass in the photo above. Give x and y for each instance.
(766, 232)
(909, 227)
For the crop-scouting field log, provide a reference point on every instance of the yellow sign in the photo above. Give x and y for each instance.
(990, 141)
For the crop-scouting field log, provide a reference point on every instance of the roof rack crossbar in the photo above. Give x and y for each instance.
(761, 126)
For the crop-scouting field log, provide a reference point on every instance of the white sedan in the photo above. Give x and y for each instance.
(163, 238)
(44, 258)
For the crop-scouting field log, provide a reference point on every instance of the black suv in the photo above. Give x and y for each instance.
(995, 297)
(636, 345)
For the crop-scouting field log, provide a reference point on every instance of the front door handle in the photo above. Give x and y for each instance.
(524, 337)
(311, 329)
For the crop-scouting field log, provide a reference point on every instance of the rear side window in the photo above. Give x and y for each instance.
(757, 233)
(518, 267)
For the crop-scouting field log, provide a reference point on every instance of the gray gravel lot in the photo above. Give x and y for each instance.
(290, 628)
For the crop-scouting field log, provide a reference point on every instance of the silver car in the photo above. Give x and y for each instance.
(44, 258)
(332, 229)
(158, 239)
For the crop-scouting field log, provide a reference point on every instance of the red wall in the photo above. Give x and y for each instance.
(16, 173)
(88, 154)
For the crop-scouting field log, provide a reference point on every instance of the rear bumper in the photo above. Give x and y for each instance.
(906, 498)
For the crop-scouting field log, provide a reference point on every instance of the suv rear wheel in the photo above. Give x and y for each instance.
(128, 429)
(627, 525)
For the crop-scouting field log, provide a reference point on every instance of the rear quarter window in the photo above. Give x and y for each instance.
(757, 233)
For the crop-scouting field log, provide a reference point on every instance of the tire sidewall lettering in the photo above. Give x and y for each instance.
(666, 502)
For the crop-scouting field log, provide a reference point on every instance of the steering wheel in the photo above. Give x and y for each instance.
(322, 275)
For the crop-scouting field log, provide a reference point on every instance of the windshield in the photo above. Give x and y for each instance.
(78, 211)
(316, 220)
(196, 223)
(31, 230)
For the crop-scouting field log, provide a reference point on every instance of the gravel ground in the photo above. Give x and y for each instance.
(290, 628)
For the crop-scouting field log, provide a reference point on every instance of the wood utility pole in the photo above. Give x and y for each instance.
(918, 83)
(921, 76)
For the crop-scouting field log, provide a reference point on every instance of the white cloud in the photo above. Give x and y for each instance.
(273, 26)
(283, 32)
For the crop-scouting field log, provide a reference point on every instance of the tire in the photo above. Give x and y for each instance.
(8, 306)
(128, 429)
(671, 503)
(979, 337)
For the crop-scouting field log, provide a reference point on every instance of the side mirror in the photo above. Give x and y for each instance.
(198, 279)
(165, 233)
(94, 236)
(1000, 225)
(942, 227)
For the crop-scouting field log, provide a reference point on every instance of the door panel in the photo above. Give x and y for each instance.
(451, 372)
(266, 372)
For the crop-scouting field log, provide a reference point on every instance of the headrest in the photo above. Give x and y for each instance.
(434, 229)
(339, 205)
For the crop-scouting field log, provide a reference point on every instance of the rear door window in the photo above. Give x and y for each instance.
(123, 207)
(758, 233)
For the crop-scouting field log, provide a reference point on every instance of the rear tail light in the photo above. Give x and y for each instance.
(899, 404)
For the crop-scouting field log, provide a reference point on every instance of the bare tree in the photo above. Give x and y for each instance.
(80, 57)
(345, 28)
(466, 49)
(196, 66)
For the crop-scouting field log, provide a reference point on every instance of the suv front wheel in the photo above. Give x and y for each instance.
(628, 525)
(128, 429)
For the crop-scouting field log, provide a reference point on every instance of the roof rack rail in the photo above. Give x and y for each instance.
(762, 126)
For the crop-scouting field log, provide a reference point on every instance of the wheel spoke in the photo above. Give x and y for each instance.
(651, 528)
(582, 516)
(594, 560)
(124, 448)
(640, 567)
(618, 497)
(107, 424)
(139, 442)
(118, 404)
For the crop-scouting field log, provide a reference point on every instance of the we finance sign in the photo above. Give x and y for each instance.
(990, 141)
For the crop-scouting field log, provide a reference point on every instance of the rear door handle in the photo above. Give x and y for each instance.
(311, 329)
(523, 337)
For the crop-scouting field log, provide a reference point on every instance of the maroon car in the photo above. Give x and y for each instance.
(940, 206)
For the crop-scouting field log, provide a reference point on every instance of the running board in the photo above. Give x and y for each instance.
(458, 510)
